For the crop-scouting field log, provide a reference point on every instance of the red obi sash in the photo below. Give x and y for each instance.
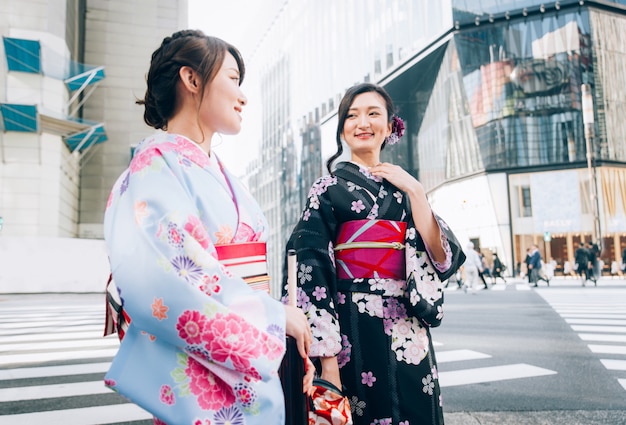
(371, 249)
(247, 260)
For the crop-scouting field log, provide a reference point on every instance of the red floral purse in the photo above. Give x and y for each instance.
(328, 405)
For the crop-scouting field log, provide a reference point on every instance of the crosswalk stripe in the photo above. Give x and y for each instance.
(50, 371)
(36, 392)
(457, 355)
(592, 328)
(99, 415)
(596, 322)
(50, 323)
(603, 337)
(607, 349)
(491, 374)
(52, 345)
(622, 383)
(69, 329)
(53, 336)
(56, 356)
(522, 287)
(592, 315)
(613, 364)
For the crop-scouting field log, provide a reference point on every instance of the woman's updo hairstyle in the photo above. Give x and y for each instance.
(192, 48)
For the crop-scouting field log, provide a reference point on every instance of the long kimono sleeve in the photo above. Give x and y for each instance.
(172, 285)
(312, 239)
(425, 277)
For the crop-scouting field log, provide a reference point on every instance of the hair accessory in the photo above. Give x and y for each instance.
(397, 130)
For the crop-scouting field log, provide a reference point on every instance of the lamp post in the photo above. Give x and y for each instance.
(588, 120)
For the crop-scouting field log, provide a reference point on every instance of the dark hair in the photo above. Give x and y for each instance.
(192, 48)
(344, 107)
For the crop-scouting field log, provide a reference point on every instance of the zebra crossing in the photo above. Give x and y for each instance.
(598, 316)
(52, 362)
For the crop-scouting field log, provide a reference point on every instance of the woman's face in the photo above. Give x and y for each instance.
(366, 125)
(223, 100)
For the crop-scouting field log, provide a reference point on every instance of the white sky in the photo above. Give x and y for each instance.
(230, 21)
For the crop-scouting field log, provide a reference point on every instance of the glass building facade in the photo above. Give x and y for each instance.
(491, 94)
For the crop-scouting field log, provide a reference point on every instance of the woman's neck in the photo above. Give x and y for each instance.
(366, 161)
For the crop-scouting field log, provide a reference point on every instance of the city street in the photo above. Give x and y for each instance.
(508, 355)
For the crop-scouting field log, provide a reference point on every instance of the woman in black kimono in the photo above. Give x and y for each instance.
(372, 257)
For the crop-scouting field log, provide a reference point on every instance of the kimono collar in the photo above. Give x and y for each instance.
(358, 174)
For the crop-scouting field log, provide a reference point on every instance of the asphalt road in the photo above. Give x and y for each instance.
(521, 328)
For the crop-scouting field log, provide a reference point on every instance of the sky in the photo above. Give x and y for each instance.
(229, 20)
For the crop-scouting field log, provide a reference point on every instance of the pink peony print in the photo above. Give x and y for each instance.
(191, 326)
(211, 392)
(196, 229)
(229, 337)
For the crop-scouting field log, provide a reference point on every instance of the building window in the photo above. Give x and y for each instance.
(525, 202)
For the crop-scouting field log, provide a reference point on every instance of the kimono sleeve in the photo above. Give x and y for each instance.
(172, 285)
(424, 279)
(312, 239)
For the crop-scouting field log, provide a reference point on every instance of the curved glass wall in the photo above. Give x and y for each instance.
(510, 93)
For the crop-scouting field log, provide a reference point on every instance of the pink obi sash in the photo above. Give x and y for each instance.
(371, 249)
(247, 260)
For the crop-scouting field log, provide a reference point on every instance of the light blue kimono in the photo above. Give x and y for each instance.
(201, 347)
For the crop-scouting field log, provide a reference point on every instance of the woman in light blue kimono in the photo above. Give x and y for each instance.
(199, 344)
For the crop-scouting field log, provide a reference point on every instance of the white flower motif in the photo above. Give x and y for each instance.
(304, 274)
(429, 384)
(398, 196)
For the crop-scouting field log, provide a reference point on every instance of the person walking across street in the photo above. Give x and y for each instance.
(472, 266)
(581, 258)
(498, 269)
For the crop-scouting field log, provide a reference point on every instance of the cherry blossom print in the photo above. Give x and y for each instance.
(187, 268)
(321, 185)
(373, 212)
(110, 382)
(403, 423)
(352, 187)
(368, 378)
(303, 300)
(357, 206)
(325, 330)
(369, 303)
(346, 350)
(167, 395)
(434, 372)
(304, 274)
(319, 293)
(210, 284)
(196, 229)
(109, 200)
(429, 384)
(366, 172)
(230, 337)
(398, 196)
(341, 298)
(229, 416)
(174, 236)
(383, 421)
(306, 215)
(357, 405)
(211, 392)
(191, 326)
(141, 211)
(409, 341)
(159, 311)
(190, 150)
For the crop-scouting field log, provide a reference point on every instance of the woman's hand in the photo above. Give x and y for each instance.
(398, 177)
(307, 381)
(298, 327)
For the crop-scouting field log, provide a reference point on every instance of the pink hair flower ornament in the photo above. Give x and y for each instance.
(397, 130)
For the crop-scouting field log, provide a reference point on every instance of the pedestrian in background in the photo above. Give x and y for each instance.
(535, 267)
(594, 260)
(498, 269)
(581, 258)
(472, 267)
(372, 258)
(198, 344)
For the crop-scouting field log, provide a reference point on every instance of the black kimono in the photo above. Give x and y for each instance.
(378, 327)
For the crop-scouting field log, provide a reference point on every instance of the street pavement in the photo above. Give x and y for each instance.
(53, 358)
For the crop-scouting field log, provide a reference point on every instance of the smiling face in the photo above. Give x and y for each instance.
(366, 125)
(223, 100)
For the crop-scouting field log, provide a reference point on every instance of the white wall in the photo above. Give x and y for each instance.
(40, 264)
